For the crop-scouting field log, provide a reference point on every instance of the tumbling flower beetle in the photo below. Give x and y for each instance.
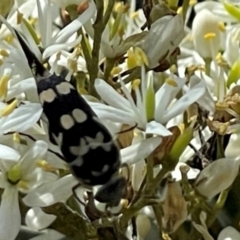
(85, 142)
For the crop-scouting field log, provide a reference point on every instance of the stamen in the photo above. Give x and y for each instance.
(23, 184)
(19, 17)
(9, 108)
(16, 138)
(141, 57)
(221, 26)
(4, 53)
(210, 36)
(116, 70)
(4, 83)
(171, 82)
(135, 84)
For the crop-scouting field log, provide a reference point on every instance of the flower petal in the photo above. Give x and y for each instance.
(36, 219)
(37, 151)
(71, 28)
(154, 127)
(185, 101)
(10, 218)
(138, 151)
(164, 96)
(22, 118)
(51, 193)
(111, 96)
(113, 114)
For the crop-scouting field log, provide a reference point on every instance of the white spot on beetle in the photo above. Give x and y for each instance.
(47, 96)
(79, 115)
(78, 162)
(66, 121)
(96, 174)
(105, 168)
(64, 88)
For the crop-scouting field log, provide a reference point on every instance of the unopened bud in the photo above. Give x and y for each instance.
(217, 177)
(143, 226)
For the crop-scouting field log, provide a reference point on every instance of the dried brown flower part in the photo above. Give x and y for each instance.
(174, 208)
(125, 136)
(219, 127)
(166, 145)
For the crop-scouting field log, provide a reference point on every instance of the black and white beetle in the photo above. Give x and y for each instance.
(85, 142)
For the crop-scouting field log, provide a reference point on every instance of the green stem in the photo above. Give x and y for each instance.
(208, 65)
(109, 66)
(220, 150)
(185, 7)
(98, 27)
(158, 215)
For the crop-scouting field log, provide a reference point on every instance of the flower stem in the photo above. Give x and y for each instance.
(98, 26)
(185, 8)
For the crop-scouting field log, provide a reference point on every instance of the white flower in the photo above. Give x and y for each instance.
(206, 34)
(124, 110)
(18, 173)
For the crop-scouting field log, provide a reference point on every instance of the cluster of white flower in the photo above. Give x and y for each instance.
(168, 93)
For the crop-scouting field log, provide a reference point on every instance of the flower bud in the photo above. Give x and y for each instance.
(206, 34)
(217, 177)
(143, 226)
(174, 208)
(229, 233)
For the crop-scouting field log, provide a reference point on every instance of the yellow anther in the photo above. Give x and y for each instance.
(19, 17)
(221, 26)
(141, 57)
(125, 8)
(221, 105)
(173, 68)
(83, 91)
(118, 7)
(210, 36)
(45, 165)
(131, 61)
(223, 128)
(32, 21)
(1, 62)
(181, 127)
(135, 84)
(9, 38)
(121, 31)
(4, 84)
(179, 11)
(16, 138)
(9, 108)
(171, 82)
(72, 64)
(4, 53)
(23, 185)
(219, 57)
(192, 2)
(134, 15)
(116, 70)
